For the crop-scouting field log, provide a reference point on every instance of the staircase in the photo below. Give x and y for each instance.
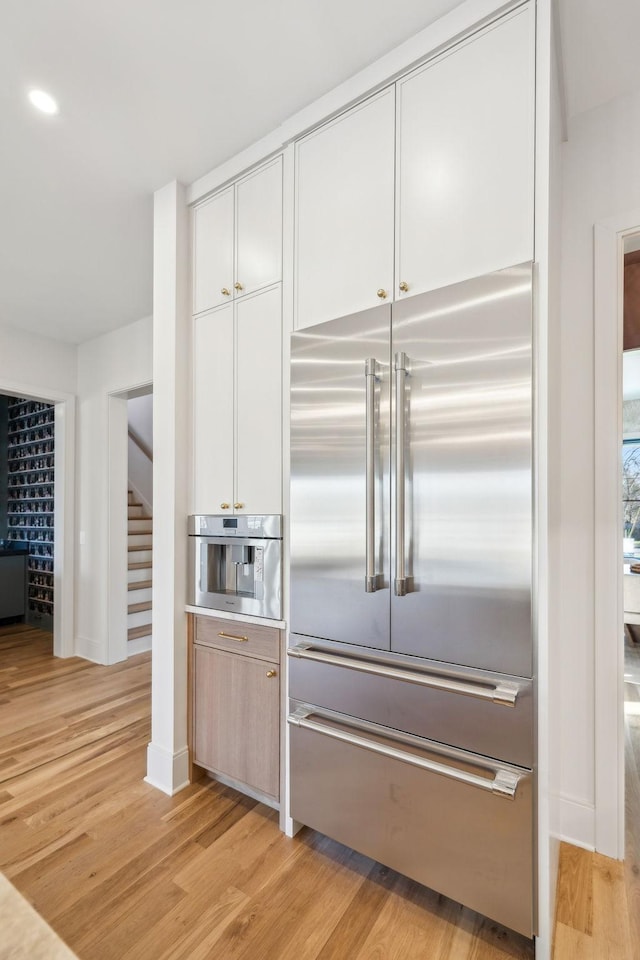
(140, 540)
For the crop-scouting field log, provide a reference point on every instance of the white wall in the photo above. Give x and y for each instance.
(28, 359)
(140, 414)
(601, 174)
(110, 364)
(140, 466)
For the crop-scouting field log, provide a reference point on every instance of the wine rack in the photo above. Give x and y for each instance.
(30, 497)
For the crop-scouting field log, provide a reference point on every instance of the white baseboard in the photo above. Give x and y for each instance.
(575, 822)
(139, 645)
(89, 650)
(167, 771)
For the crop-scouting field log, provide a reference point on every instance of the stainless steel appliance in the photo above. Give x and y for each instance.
(411, 652)
(235, 564)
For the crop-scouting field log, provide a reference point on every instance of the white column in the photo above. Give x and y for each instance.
(167, 757)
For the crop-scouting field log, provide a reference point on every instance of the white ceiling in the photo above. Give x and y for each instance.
(153, 90)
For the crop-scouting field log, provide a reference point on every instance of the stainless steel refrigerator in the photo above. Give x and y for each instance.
(411, 649)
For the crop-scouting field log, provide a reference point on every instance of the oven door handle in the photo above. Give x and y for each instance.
(497, 691)
(504, 782)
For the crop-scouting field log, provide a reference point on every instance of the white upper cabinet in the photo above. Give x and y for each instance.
(213, 411)
(259, 403)
(466, 159)
(259, 229)
(344, 213)
(237, 406)
(213, 251)
(237, 239)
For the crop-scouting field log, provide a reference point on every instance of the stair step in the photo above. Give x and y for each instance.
(139, 607)
(134, 632)
(135, 547)
(137, 576)
(140, 565)
(140, 525)
(139, 584)
(136, 512)
(140, 619)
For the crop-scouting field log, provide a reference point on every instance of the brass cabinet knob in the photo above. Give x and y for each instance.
(238, 286)
(271, 673)
(382, 294)
(225, 292)
(238, 506)
(224, 506)
(404, 286)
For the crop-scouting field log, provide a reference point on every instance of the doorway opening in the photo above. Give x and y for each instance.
(36, 513)
(130, 522)
(631, 548)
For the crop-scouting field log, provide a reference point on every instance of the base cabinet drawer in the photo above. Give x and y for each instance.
(463, 827)
(236, 718)
(239, 636)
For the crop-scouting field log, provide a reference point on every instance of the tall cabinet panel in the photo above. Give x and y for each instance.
(259, 229)
(345, 213)
(465, 159)
(213, 251)
(259, 403)
(213, 410)
(237, 348)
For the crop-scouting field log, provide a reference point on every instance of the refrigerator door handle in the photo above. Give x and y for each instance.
(371, 372)
(504, 783)
(501, 692)
(401, 370)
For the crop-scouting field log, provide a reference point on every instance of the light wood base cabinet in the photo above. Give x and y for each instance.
(236, 705)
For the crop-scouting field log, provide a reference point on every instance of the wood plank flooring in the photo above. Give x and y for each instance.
(598, 905)
(122, 872)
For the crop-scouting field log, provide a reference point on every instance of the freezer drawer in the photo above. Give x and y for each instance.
(486, 713)
(454, 822)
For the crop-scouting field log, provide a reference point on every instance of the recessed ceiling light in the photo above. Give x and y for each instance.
(43, 101)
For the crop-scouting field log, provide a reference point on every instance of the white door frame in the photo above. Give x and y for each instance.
(609, 236)
(117, 484)
(64, 508)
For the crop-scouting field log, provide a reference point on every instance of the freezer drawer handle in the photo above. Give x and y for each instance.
(401, 366)
(502, 692)
(371, 372)
(504, 783)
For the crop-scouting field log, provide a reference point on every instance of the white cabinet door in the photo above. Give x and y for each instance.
(259, 403)
(345, 213)
(213, 251)
(213, 419)
(465, 156)
(259, 229)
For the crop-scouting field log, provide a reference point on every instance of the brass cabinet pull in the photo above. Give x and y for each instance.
(231, 636)
(404, 287)
(224, 506)
(382, 294)
(238, 506)
(225, 292)
(271, 673)
(238, 286)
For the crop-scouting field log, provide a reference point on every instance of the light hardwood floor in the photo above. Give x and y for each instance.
(122, 872)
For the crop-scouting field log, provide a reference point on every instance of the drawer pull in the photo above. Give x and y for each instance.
(232, 636)
(501, 692)
(504, 782)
